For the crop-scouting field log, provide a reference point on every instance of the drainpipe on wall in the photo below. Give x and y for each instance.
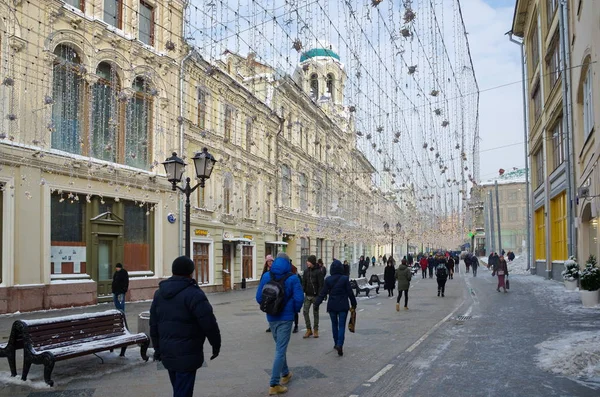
(181, 133)
(529, 251)
(568, 123)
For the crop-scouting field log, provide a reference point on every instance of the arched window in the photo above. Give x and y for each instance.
(286, 181)
(139, 124)
(303, 193)
(314, 86)
(106, 114)
(67, 95)
(331, 86)
(318, 198)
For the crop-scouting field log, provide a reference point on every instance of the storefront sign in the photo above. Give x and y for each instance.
(200, 232)
(248, 236)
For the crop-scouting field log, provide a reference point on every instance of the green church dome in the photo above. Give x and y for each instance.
(318, 52)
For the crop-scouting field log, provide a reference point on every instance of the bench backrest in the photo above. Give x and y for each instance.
(374, 279)
(361, 282)
(57, 331)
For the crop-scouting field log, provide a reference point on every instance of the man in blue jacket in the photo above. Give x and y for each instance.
(180, 321)
(281, 324)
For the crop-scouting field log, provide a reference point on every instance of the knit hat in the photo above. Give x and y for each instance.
(269, 258)
(312, 259)
(283, 255)
(182, 266)
(118, 265)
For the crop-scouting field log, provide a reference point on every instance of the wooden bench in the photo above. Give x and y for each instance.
(49, 340)
(361, 285)
(8, 349)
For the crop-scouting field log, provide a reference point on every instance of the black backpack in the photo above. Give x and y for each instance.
(441, 271)
(273, 295)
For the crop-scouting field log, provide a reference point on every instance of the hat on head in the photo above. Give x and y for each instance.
(283, 255)
(182, 266)
(269, 258)
(119, 265)
(312, 259)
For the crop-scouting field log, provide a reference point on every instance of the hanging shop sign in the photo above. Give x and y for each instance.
(248, 236)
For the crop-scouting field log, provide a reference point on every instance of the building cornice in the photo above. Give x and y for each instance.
(520, 17)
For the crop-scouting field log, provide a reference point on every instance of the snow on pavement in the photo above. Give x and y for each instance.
(572, 354)
(518, 266)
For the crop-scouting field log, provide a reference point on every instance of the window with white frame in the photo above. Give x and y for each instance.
(79, 4)
(248, 204)
(138, 136)
(113, 13)
(558, 145)
(286, 182)
(228, 123)
(588, 104)
(146, 26)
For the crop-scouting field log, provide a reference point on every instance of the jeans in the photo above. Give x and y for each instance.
(281, 331)
(338, 327)
(119, 300)
(441, 282)
(424, 271)
(183, 383)
(308, 301)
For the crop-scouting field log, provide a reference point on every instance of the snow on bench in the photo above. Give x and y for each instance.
(361, 285)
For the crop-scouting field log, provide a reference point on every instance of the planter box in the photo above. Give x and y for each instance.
(589, 298)
(571, 285)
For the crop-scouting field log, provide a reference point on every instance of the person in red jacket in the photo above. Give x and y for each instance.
(423, 263)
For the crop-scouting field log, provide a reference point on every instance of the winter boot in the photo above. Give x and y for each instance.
(295, 331)
(340, 351)
(308, 333)
(397, 307)
(316, 333)
(438, 292)
(286, 379)
(277, 389)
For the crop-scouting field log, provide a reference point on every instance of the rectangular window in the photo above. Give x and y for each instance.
(137, 237)
(269, 205)
(269, 148)
(551, 6)
(540, 234)
(228, 124)
(249, 134)
(536, 97)
(558, 219)
(113, 13)
(558, 145)
(553, 62)
(319, 251)
(588, 104)
(137, 136)
(146, 16)
(68, 246)
(535, 47)
(79, 4)
(227, 200)
(304, 252)
(201, 259)
(248, 201)
(538, 158)
(201, 109)
(247, 264)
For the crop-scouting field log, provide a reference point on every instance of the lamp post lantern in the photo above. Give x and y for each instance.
(175, 167)
(386, 228)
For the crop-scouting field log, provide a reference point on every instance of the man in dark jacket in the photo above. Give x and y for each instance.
(120, 285)
(312, 283)
(181, 318)
(430, 265)
(281, 324)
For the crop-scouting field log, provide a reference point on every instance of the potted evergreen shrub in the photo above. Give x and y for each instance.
(589, 280)
(571, 274)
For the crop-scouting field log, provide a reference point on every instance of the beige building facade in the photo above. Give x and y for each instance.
(95, 95)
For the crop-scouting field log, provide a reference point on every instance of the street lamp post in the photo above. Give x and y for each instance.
(386, 228)
(175, 167)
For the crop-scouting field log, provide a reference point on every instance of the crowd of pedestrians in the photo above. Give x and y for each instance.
(181, 318)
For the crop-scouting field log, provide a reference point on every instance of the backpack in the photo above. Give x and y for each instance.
(273, 295)
(441, 271)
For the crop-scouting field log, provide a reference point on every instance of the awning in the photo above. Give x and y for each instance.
(276, 242)
(238, 240)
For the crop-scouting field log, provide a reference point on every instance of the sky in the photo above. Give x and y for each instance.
(497, 63)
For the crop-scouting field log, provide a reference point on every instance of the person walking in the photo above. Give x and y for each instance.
(346, 268)
(120, 285)
(450, 264)
(321, 266)
(389, 278)
(474, 265)
(501, 270)
(312, 283)
(467, 262)
(296, 315)
(281, 323)
(385, 259)
(267, 267)
(373, 261)
(361, 265)
(380, 258)
(423, 263)
(403, 276)
(431, 265)
(337, 286)
(181, 319)
(441, 274)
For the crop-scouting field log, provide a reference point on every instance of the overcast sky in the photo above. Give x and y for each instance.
(497, 63)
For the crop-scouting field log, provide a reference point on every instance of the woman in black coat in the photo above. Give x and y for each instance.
(337, 286)
(389, 277)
